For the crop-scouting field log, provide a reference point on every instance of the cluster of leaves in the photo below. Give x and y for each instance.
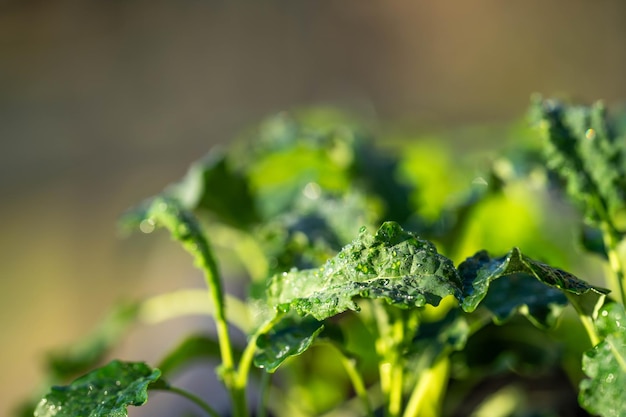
(297, 201)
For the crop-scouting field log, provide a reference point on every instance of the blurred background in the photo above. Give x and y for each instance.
(102, 103)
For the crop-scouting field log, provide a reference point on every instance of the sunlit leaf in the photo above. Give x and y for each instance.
(534, 286)
(291, 337)
(104, 392)
(605, 365)
(392, 264)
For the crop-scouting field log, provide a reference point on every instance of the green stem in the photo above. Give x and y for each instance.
(425, 400)
(227, 372)
(185, 227)
(356, 379)
(192, 301)
(397, 367)
(611, 241)
(585, 319)
(191, 397)
(247, 357)
(261, 409)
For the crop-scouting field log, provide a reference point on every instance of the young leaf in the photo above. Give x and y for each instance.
(291, 337)
(605, 365)
(393, 264)
(313, 231)
(582, 148)
(104, 392)
(543, 302)
(212, 184)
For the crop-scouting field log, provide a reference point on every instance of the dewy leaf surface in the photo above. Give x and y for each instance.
(605, 364)
(392, 264)
(291, 337)
(529, 283)
(104, 392)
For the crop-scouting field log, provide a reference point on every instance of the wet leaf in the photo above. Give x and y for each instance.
(290, 337)
(605, 365)
(537, 289)
(104, 392)
(393, 265)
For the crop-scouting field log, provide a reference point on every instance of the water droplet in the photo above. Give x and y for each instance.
(105, 392)
(605, 313)
(312, 191)
(147, 226)
(590, 134)
(480, 181)
(363, 229)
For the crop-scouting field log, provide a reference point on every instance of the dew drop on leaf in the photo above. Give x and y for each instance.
(147, 226)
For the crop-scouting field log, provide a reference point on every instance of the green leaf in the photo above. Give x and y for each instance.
(441, 337)
(212, 184)
(191, 348)
(581, 146)
(104, 392)
(605, 365)
(313, 231)
(290, 337)
(85, 355)
(534, 287)
(393, 264)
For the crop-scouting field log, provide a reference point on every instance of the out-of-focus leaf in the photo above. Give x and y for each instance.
(104, 392)
(212, 184)
(85, 355)
(543, 302)
(393, 264)
(605, 364)
(191, 348)
(290, 337)
(441, 337)
(592, 240)
(580, 145)
(313, 231)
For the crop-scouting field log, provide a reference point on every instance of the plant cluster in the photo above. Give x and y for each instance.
(351, 308)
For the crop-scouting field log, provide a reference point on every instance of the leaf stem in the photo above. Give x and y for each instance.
(191, 397)
(585, 319)
(397, 366)
(611, 242)
(247, 357)
(433, 382)
(264, 391)
(356, 379)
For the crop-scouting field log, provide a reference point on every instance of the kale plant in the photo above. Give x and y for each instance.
(354, 305)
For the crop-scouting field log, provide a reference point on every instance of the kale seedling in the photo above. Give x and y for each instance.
(321, 222)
